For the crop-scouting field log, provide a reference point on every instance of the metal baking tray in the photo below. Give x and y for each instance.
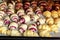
(53, 35)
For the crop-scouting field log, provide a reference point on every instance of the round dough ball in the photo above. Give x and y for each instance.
(57, 21)
(58, 13)
(13, 25)
(32, 27)
(3, 30)
(11, 6)
(49, 20)
(54, 28)
(54, 14)
(29, 33)
(22, 28)
(30, 13)
(7, 20)
(44, 34)
(34, 18)
(1, 23)
(29, 10)
(15, 33)
(2, 14)
(41, 20)
(3, 6)
(20, 12)
(10, 11)
(14, 17)
(27, 18)
(47, 14)
(44, 27)
(8, 32)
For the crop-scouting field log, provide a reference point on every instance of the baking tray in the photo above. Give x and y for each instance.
(52, 33)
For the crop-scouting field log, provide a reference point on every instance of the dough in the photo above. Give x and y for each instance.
(44, 27)
(2, 14)
(13, 25)
(29, 33)
(10, 11)
(27, 18)
(10, 6)
(54, 14)
(1, 23)
(7, 20)
(15, 33)
(32, 27)
(14, 17)
(41, 20)
(49, 20)
(22, 28)
(34, 18)
(54, 28)
(3, 30)
(58, 13)
(47, 14)
(20, 12)
(44, 34)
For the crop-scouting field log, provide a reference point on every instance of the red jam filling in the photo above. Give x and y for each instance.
(14, 18)
(13, 27)
(6, 21)
(33, 29)
(22, 20)
(21, 29)
(38, 12)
